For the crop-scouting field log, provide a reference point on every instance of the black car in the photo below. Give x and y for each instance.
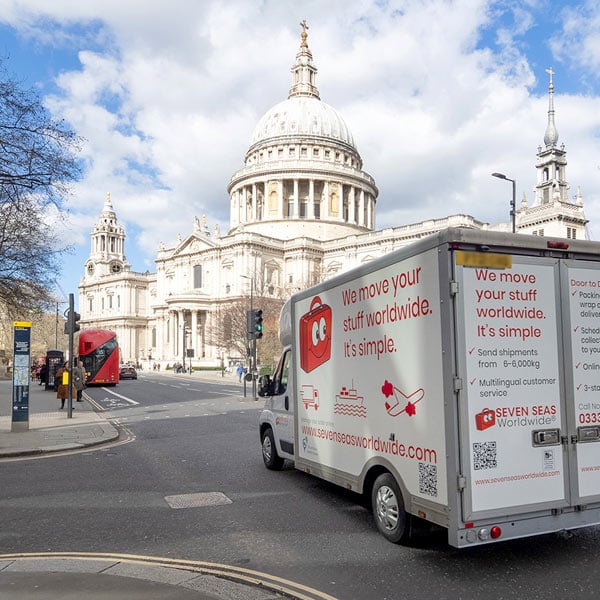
(127, 373)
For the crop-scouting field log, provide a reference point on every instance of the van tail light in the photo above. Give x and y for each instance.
(557, 245)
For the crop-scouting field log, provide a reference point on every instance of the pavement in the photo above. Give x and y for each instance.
(50, 429)
(66, 576)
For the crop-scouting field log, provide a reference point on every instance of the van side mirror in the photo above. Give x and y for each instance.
(265, 386)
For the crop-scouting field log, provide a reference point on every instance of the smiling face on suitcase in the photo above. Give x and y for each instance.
(320, 337)
(315, 336)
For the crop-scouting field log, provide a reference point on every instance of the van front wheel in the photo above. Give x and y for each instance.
(271, 459)
(388, 509)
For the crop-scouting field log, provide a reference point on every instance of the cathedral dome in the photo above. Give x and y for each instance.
(302, 115)
(302, 174)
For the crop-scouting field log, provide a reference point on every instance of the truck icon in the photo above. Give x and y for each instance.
(310, 396)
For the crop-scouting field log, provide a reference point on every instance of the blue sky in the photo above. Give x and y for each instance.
(438, 95)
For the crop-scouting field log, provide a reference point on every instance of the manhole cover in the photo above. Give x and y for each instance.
(197, 500)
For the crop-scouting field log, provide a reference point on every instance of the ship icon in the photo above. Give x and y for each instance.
(349, 403)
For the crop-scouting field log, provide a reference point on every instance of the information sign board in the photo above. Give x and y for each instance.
(21, 375)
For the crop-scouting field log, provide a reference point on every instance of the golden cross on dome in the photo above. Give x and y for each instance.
(304, 35)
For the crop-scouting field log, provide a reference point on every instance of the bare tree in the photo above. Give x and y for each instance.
(268, 348)
(47, 331)
(27, 256)
(37, 163)
(229, 331)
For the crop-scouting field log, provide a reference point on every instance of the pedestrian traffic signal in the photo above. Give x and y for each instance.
(258, 323)
(72, 324)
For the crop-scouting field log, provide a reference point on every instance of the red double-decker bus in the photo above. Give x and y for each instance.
(99, 353)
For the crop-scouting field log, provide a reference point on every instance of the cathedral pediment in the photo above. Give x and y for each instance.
(193, 244)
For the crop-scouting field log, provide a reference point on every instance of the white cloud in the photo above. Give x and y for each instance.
(167, 100)
(579, 40)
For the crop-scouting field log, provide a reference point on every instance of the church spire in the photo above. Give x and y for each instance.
(108, 215)
(551, 135)
(303, 71)
(551, 165)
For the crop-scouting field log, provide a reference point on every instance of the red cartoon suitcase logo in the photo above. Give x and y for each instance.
(485, 419)
(315, 336)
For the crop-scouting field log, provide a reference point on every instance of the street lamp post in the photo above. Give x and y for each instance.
(56, 332)
(513, 203)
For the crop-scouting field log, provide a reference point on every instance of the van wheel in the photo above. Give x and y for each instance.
(271, 459)
(388, 509)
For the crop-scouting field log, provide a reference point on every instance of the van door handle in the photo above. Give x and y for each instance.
(287, 403)
(588, 434)
(546, 437)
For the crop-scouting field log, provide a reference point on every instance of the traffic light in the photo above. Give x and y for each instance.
(254, 323)
(72, 324)
(258, 323)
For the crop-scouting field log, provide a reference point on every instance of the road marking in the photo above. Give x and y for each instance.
(120, 396)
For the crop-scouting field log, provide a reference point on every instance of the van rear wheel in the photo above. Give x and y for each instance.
(271, 459)
(388, 509)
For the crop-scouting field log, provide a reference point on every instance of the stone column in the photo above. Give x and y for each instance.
(194, 336)
(311, 199)
(201, 351)
(244, 211)
(351, 206)
(233, 216)
(280, 199)
(174, 331)
(158, 348)
(296, 213)
(325, 203)
(361, 208)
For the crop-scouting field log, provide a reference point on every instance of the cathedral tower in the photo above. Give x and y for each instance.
(107, 252)
(552, 212)
(551, 160)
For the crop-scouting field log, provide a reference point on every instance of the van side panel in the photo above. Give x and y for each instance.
(369, 377)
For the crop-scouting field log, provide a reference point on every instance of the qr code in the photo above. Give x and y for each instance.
(484, 455)
(428, 479)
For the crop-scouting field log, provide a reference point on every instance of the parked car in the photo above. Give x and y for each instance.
(127, 373)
